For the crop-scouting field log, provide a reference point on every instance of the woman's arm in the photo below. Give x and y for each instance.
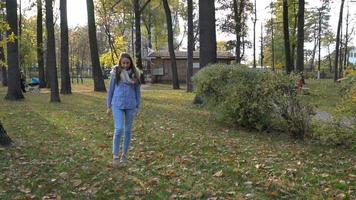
(111, 91)
(138, 95)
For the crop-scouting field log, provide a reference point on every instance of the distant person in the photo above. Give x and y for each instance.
(300, 83)
(123, 101)
(23, 82)
(34, 81)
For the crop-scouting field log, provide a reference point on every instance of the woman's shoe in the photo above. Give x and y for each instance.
(116, 162)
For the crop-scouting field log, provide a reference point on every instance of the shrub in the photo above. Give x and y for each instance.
(252, 98)
(341, 129)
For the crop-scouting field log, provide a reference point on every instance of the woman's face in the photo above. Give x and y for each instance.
(125, 63)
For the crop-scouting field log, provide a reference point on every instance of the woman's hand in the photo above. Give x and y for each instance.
(109, 111)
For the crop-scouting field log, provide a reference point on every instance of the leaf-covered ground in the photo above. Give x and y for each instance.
(63, 151)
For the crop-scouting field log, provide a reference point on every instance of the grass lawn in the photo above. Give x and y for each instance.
(63, 151)
(323, 94)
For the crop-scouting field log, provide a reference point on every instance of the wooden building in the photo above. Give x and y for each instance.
(161, 69)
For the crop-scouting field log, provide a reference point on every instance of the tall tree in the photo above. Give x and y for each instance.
(65, 77)
(138, 11)
(254, 35)
(207, 32)
(2, 64)
(300, 36)
(207, 37)
(190, 46)
(175, 79)
(14, 90)
(99, 84)
(262, 56)
(336, 76)
(319, 43)
(40, 60)
(51, 53)
(286, 37)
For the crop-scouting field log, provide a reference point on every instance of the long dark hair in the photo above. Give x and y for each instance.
(135, 74)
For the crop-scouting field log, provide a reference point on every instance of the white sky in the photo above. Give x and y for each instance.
(77, 15)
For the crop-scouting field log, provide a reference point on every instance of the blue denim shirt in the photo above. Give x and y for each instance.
(123, 95)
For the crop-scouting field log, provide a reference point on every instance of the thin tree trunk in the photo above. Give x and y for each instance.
(272, 33)
(2, 64)
(286, 37)
(237, 16)
(300, 37)
(262, 56)
(99, 84)
(346, 53)
(14, 90)
(190, 46)
(40, 61)
(293, 42)
(336, 76)
(65, 77)
(175, 79)
(313, 53)
(51, 53)
(138, 37)
(319, 43)
(254, 36)
(133, 38)
(341, 53)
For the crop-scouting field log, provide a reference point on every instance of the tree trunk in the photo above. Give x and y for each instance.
(254, 36)
(207, 32)
(341, 53)
(4, 74)
(40, 61)
(286, 37)
(337, 46)
(65, 77)
(207, 38)
(293, 43)
(262, 56)
(272, 35)
(14, 90)
(330, 62)
(319, 43)
(99, 84)
(2, 65)
(346, 53)
(51, 53)
(190, 46)
(138, 37)
(175, 79)
(313, 53)
(238, 10)
(5, 140)
(300, 37)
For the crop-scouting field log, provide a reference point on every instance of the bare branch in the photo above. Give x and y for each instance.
(144, 6)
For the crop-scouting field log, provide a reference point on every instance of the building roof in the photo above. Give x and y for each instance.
(183, 55)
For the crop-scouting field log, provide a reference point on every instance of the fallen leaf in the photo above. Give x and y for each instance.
(219, 174)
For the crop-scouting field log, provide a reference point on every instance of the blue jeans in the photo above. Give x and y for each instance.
(121, 125)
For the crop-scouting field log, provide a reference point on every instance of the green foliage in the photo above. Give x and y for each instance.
(335, 133)
(109, 59)
(253, 99)
(347, 106)
(341, 130)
